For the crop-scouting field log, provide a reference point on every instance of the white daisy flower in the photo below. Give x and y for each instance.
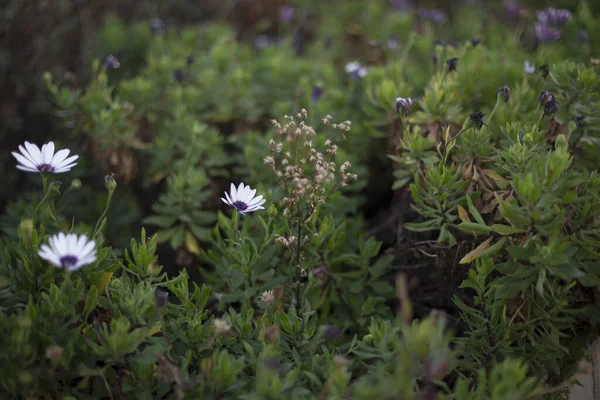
(69, 251)
(32, 159)
(243, 200)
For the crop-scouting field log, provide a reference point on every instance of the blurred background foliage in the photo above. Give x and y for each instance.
(177, 99)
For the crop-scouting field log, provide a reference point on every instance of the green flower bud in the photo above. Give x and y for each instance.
(272, 211)
(25, 229)
(75, 184)
(110, 183)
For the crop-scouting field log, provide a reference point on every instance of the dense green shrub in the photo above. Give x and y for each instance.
(423, 221)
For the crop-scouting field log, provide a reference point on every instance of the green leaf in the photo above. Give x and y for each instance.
(473, 211)
(506, 229)
(91, 299)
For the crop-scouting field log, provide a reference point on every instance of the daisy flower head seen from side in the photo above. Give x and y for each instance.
(70, 251)
(243, 200)
(30, 158)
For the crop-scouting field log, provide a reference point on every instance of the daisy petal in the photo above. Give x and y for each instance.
(59, 157)
(35, 153)
(233, 193)
(24, 161)
(47, 152)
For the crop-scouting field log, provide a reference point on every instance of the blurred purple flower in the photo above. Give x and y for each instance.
(554, 16)
(582, 37)
(157, 26)
(286, 14)
(111, 62)
(452, 63)
(179, 75)
(402, 5)
(435, 16)
(546, 33)
(513, 9)
(330, 332)
(161, 298)
(317, 92)
(392, 43)
(261, 41)
(475, 42)
(189, 59)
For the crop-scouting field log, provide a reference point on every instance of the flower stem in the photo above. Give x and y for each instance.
(97, 227)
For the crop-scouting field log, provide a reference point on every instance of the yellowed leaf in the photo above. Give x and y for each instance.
(191, 244)
(104, 282)
(494, 175)
(463, 214)
(473, 255)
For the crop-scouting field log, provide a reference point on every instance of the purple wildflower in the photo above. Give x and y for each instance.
(392, 43)
(157, 26)
(111, 62)
(582, 37)
(545, 33)
(435, 16)
(512, 8)
(317, 92)
(553, 16)
(286, 14)
(179, 75)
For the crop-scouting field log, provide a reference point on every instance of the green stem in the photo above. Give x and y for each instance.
(97, 227)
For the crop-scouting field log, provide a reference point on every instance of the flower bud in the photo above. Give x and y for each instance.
(110, 183)
(75, 184)
(504, 91)
(452, 63)
(54, 188)
(25, 229)
(477, 119)
(161, 298)
(272, 211)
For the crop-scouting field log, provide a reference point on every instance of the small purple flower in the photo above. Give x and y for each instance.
(435, 16)
(477, 119)
(512, 8)
(157, 26)
(554, 16)
(404, 105)
(179, 75)
(261, 42)
(579, 121)
(330, 332)
(392, 43)
(504, 91)
(549, 102)
(402, 5)
(111, 62)
(452, 63)
(545, 33)
(161, 298)
(475, 42)
(189, 60)
(582, 37)
(286, 14)
(317, 92)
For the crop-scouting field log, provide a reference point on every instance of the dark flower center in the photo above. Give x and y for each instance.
(45, 168)
(240, 205)
(68, 261)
